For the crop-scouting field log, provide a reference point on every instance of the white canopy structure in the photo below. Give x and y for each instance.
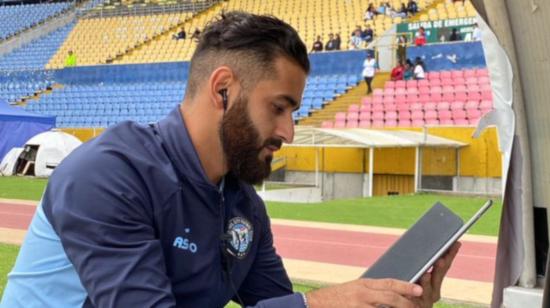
(371, 139)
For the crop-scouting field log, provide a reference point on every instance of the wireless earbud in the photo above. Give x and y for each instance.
(223, 93)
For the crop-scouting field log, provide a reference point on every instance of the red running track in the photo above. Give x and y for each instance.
(475, 261)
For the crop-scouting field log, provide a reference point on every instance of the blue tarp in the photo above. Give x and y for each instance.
(17, 126)
(451, 56)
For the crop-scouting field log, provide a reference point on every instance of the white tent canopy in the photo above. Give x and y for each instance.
(306, 136)
(7, 166)
(45, 151)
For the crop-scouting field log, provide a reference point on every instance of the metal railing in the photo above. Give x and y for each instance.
(147, 9)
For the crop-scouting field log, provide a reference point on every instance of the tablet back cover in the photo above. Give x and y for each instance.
(417, 246)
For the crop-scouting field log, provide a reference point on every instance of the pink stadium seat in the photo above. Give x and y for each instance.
(486, 95)
(389, 84)
(417, 123)
(412, 84)
(390, 123)
(378, 92)
(474, 96)
(486, 104)
(435, 97)
(352, 124)
(457, 105)
(483, 80)
(447, 82)
(482, 72)
(424, 90)
(339, 124)
(340, 116)
(445, 75)
(459, 81)
(471, 104)
(430, 115)
(366, 100)
(365, 108)
(473, 114)
(416, 106)
(405, 123)
(364, 124)
(404, 115)
(401, 99)
(461, 122)
(388, 100)
(458, 114)
(400, 91)
(435, 82)
(448, 97)
(417, 115)
(364, 116)
(400, 84)
(390, 115)
(457, 73)
(390, 107)
(444, 115)
(433, 75)
(424, 98)
(469, 73)
(378, 123)
(432, 122)
(461, 96)
(446, 122)
(411, 98)
(327, 124)
(353, 116)
(353, 108)
(423, 83)
(402, 107)
(413, 90)
(377, 99)
(471, 80)
(378, 107)
(430, 106)
(473, 88)
(448, 89)
(460, 88)
(436, 89)
(443, 106)
(389, 92)
(378, 116)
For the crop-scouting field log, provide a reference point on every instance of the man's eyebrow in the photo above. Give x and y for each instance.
(291, 101)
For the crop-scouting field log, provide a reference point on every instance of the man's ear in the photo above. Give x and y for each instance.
(219, 83)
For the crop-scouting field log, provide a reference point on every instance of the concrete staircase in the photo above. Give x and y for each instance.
(342, 102)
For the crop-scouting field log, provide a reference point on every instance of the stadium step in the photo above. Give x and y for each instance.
(342, 102)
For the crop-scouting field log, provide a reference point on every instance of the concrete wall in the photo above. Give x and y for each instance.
(477, 185)
(296, 195)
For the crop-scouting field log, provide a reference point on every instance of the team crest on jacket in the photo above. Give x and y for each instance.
(242, 233)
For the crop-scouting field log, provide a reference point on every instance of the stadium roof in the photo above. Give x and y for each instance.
(367, 138)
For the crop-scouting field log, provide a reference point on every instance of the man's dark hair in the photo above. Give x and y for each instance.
(248, 44)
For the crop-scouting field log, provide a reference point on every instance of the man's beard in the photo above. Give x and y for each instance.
(242, 145)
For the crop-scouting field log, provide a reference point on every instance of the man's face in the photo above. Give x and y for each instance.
(256, 125)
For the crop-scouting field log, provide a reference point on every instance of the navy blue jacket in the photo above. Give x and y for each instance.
(142, 226)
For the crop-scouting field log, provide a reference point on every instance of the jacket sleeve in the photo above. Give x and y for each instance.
(267, 284)
(103, 216)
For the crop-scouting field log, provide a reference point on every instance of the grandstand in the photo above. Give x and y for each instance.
(16, 18)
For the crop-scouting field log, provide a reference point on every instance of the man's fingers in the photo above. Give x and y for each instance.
(390, 299)
(400, 287)
(441, 268)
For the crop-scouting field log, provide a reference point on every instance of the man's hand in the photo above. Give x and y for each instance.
(367, 293)
(431, 282)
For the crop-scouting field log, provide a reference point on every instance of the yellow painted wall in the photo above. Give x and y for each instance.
(480, 158)
(84, 134)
